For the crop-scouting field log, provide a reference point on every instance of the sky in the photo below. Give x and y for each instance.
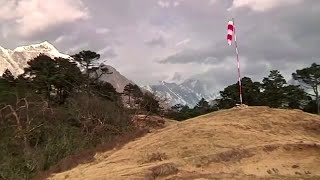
(153, 40)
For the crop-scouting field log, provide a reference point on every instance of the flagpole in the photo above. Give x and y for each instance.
(238, 62)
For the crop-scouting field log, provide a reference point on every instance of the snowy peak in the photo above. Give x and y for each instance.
(16, 60)
(189, 92)
(44, 47)
(2, 49)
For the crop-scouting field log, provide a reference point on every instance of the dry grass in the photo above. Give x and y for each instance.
(91, 155)
(270, 148)
(162, 170)
(153, 157)
(227, 156)
(241, 143)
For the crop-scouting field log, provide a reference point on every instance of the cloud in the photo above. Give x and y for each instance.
(66, 37)
(107, 52)
(177, 3)
(169, 3)
(59, 39)
(32, 16)
(201, 56)
(224, 72)
(4, 32)
(262, 5)
(183, 42)
(164, 4)
(77, 48)
(280, 34)
(212, 2)
(176, 77)
(156, 42)
(6, 8)
(102, 30)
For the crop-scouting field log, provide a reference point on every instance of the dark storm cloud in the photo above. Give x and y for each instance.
(117, 13)
(286, 34)
(225, 73)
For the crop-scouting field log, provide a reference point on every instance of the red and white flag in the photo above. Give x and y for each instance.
(230, 32)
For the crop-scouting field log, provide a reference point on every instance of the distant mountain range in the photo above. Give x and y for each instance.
(189, 92)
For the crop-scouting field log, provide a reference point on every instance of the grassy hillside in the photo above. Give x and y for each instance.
(246, 143)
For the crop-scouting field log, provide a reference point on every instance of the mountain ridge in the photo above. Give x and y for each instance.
(16, 60)
(188, 92)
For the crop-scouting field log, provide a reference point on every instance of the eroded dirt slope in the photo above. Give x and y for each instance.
(246, 143)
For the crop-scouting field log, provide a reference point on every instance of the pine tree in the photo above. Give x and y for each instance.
(105, 90)
(273, 89)
(52, 77)
(42, 72)
(251, 92)
(88, 61)
(295, 97)
(7, 75)
(310, 79)
(128, 90)
(202, 107)
(150, 104)
(68, 78)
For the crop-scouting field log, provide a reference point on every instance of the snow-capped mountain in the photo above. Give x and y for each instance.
(189, 92)
(16, 60)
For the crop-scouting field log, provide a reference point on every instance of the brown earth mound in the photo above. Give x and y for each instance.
(241, 143)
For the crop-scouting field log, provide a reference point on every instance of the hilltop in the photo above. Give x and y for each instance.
(239, 143)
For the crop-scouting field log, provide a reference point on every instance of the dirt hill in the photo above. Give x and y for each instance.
(246, 143)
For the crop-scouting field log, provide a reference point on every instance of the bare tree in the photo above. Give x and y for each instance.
(23, 118)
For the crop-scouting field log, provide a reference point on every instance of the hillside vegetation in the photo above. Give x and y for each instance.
(54, 110)
(273, 91)
(240, 143)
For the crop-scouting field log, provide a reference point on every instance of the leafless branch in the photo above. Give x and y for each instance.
(34, 128)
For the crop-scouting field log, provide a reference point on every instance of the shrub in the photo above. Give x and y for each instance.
(34, 137)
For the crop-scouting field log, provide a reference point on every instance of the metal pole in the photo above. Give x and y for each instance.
(238, 62)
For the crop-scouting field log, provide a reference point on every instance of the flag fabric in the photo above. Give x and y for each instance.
(230, 32)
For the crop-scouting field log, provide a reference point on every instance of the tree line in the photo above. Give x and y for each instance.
(59, 107)
(274, 91)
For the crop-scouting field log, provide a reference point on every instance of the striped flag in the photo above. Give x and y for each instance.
(230, 32)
